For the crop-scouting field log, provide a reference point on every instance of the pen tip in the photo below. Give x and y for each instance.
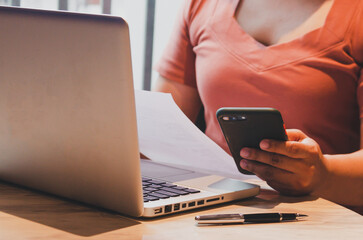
(197, 218)
(302, 215)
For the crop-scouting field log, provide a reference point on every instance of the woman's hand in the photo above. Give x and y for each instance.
(295, 167)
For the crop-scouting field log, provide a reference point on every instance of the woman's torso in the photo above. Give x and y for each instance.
(312, 79)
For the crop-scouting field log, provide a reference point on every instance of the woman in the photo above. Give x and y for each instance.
(302, 57)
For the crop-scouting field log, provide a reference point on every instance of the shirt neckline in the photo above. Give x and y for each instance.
(305, 35)
(259, 57)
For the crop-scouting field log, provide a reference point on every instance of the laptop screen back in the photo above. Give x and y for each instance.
(67, 111)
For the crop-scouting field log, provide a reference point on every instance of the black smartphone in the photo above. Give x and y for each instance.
(247, 127)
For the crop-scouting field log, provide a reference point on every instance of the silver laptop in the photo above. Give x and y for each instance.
(68, 121)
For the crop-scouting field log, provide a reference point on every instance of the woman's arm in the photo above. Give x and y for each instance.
(298, 167)
(186, 97)
(346, 177)
(345, 181)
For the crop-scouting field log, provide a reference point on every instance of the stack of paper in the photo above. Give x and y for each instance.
(167, 136)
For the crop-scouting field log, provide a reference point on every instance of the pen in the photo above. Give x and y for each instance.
(251, 218)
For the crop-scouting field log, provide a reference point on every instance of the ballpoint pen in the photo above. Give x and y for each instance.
(250, 218)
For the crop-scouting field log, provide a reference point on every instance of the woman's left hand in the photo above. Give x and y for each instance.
(293, 167)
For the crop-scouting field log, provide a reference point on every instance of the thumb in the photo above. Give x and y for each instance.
(295, 135)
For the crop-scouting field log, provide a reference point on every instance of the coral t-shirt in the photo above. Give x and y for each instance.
(314, 80)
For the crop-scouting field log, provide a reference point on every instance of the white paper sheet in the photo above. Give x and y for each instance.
(166, 135)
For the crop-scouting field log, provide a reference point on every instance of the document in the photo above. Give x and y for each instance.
(167, 136)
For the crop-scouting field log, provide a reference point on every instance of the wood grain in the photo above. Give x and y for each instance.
(28, 214)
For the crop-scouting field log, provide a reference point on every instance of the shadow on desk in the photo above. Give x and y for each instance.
(65, 215)
(268, 199)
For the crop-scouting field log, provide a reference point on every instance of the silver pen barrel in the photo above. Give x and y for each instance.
(220, 218)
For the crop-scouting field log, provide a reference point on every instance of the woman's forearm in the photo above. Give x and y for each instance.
(344, 183)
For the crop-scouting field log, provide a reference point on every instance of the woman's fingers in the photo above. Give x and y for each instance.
(281, 180)
(273, 159)
(303, 149)
(266, 172)
(295, 135)
(292, 167)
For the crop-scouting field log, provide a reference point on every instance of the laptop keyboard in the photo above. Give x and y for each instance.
(155, 189)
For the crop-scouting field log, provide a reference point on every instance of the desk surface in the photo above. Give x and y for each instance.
(27, 214)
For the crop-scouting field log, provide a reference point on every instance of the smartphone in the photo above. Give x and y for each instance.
(247, 127)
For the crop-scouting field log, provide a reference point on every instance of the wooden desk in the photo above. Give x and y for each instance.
(26, 214)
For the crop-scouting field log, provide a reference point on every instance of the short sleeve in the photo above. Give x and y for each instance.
(178, 60)
(357, 52)
(357, 35)
(360, 94)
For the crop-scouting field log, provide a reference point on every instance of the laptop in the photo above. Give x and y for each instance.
(68, 120)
